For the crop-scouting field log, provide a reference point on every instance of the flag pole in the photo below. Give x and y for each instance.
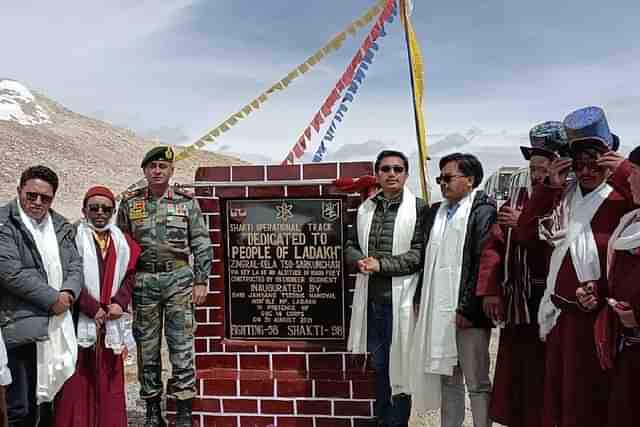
(417, 108)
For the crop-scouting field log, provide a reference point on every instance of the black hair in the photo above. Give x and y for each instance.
(634, 156)
(42, 173)
(468, 164)
(391, 153)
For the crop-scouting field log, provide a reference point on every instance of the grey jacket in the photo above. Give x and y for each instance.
(381, 246)
(25, 295)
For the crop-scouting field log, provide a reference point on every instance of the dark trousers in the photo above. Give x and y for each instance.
(22, 409)
(392, 411)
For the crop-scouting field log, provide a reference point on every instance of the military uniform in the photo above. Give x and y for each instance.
(169, 230)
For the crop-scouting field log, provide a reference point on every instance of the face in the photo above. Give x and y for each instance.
(158, 172)
(634, 182)
(392, 174)
(538, 169)
(98, 211)
(457, 186)
(36, 197)
(588, 173)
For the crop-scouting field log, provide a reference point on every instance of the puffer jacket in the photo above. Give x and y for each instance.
(482, 216)
(381, 247)
(25, 295)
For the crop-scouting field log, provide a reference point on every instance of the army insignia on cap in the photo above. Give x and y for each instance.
(168, 154)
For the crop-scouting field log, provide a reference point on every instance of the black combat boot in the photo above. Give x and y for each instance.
(154, 413)
(183, 413)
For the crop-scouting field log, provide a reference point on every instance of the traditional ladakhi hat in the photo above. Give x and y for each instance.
(588, 127)
(99, 190)
(547, 139)
(162, 152)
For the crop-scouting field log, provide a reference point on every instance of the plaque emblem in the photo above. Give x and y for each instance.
(283, 211)
(330, 210)
(238, 213)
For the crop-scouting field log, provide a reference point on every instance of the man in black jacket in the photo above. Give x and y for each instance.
(29, 265)
(452, 334)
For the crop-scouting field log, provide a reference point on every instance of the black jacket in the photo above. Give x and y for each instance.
(482, 216)
(25, 295)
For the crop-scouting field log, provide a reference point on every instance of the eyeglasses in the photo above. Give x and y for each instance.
(447, 178)
(32, 196)
(96, 208)
(579, 165)
(395, 168)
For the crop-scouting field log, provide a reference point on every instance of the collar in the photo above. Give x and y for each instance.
(380, 198)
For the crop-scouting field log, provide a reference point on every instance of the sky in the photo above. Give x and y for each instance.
(174, 69)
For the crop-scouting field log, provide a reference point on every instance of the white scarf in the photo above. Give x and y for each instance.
(435, 352)
(575, 235)
(403, 290)
(56, 357)
(626, 236)
(5, 373)
(116, 329)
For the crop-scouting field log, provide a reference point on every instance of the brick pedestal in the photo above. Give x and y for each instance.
(258, 383)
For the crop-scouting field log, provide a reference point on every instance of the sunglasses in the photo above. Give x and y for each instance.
(396, 169)
(97, 208)
(447, 178)
(32, 196)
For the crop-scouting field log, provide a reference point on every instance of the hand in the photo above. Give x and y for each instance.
(369, 265)
(610, 160)
(558, 171)
(63, 303)
(493, 308)
(100, 317)
(508, 216)
(199, 293)
(115, 311)
(587, 296)
(462, 322)
(625, 313)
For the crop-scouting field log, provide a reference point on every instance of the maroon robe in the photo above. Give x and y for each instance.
(94, 396)
(624, 283)
(576, 389)
(517, 395)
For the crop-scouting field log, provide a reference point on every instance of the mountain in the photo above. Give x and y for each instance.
(83, 151)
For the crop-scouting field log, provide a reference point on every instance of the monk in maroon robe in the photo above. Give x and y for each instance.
(511, 281)
(576, 389)
(95, 395)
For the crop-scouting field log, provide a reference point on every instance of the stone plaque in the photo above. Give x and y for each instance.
(283, 264)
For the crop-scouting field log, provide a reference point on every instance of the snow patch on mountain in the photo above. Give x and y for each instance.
(18, 104)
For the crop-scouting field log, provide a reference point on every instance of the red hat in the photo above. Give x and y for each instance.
(99, 190)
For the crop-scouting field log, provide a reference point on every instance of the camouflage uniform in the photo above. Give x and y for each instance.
(169, 230)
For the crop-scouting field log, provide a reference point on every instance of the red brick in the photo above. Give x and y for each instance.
(209, 205)
(256, 421)
(201, 315)
(273, 347)
(298, 388)
(200, 345)
(217, 267)
(289, 362)
(256, 388)
(245, 406)
(239, 347)
(204, 192)
(206, 405)
(215, 236)
(313, 407)
(216, 284)
(333, 389)
(325, 362)
(254, 361)
(215, 345)
(216, 314)
(213, 173)
(355, 361)
(303, 190)
(208, 361)
(320, 171)
(220, 421)
(213, 221)
(352, 408)
(364, 389)
(247, 173)
(207, 331)
(267, 191)
(276, 406)
(220, 387)
(356, 169)
(364, 422)
(216, 300)
(230, 192)
(333, 422)
(295, 422)
(283, 172)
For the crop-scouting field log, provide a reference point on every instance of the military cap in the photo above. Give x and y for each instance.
(162, 152)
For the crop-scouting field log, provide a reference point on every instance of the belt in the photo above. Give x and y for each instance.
(161, 267)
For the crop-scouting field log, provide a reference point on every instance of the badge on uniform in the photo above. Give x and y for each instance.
(181, 210)
(138, 210)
